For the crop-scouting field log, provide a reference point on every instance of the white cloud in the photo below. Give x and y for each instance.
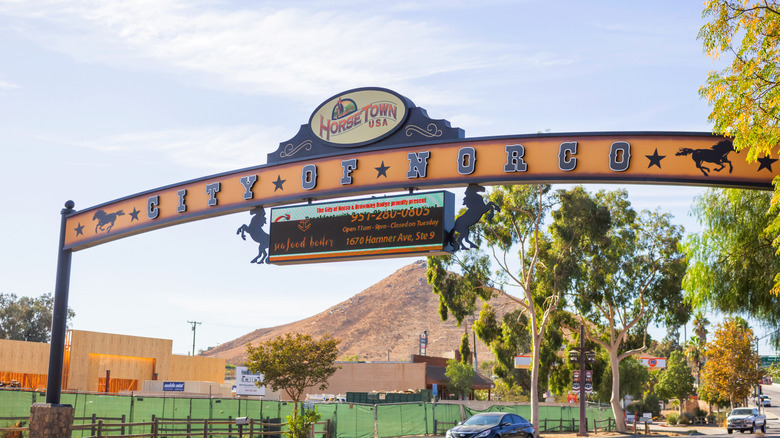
(215, 148)
(8, 86)
(294, 51)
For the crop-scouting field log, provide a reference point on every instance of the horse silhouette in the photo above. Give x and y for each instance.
(104, 219)
(255, 230)
(717, 154)
(476, 207)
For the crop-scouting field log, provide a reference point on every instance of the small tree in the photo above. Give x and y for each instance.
(676, 381)
(732, 366)
(293, 363)
(460, 376)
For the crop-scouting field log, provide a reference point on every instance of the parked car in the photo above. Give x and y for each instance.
(764, 400)
(493, 425)
(743, 419)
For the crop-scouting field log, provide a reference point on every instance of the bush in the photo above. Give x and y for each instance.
(672, 418)
(300, 425)
(687, 418)
(652, 404)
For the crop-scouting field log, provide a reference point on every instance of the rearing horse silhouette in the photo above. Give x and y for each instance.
(255, 230)
(717, 154)
(476, 207)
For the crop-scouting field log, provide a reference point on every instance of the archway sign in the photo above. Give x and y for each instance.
(374, 140)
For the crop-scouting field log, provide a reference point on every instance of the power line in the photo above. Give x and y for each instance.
(194, 324)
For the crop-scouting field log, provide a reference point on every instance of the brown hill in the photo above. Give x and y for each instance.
(381, 323)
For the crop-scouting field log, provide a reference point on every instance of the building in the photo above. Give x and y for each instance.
(421, 372)
(103, 362)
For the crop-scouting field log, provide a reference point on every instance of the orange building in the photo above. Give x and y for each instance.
(91, 359)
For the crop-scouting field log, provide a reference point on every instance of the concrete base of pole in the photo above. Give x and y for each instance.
(50, 420)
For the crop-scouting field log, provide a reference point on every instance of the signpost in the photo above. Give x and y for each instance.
(389, 226)
(582, 356)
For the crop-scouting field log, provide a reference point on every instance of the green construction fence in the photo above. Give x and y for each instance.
(347, 420)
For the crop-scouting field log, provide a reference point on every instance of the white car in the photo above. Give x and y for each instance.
(764, 400)
(745, 419)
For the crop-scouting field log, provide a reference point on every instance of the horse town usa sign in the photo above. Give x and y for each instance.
(374, 141)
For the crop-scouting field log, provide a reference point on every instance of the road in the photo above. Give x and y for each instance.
(773, 412)
(772, 420)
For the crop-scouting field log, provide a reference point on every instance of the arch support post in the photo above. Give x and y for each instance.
(60, 314)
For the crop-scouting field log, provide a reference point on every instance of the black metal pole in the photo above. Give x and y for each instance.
(583, 380)
(60, 314)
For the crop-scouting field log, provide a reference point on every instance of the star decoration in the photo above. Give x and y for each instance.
(79, 230)
(279, 182)
(134, 215)
(382, 170)
(655, 159)
(766, 163)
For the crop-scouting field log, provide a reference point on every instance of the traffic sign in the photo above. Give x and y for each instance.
(769, 360)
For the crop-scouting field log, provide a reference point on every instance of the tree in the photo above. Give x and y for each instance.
(293, 363)
(633, 377)
(27, 319)
(732, 368)
(700, 323)
(745, 95)
(506, 338)
(517, 228)
(460, 376)
(732, 260)
(694, 350)
(676, 381)
(627, 275)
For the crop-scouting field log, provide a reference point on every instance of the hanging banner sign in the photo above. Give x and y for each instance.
(363, 228)
(373, 140)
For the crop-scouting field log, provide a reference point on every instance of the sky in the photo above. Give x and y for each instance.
(101, 100)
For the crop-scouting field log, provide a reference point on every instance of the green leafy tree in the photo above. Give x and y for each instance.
(744, 95)
(506, 338)
(694, 351)
(633, 377)
(676, 381)
(27, 319)
(732, 260)
(508, 262)
(627, 275)
(732, 368)
(464, 350)
(700, 323)
(460, 377)
(293, 363)
(745, 100)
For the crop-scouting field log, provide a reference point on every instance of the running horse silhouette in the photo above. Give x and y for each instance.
(476, 207)
(104, 219)
(717, 154)
(255, 230)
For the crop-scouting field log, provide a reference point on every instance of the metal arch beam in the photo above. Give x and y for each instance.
(612, 157)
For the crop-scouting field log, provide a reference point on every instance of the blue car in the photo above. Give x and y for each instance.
(493, 425)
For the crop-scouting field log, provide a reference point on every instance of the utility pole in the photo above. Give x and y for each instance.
(194, 324)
